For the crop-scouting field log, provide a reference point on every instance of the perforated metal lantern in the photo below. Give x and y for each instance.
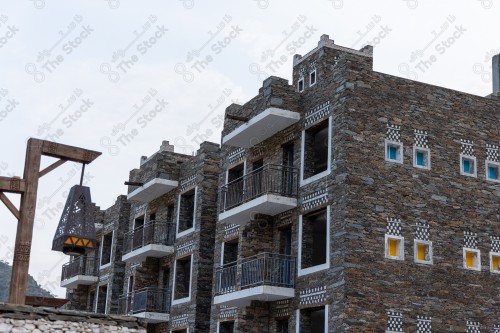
(75, 234)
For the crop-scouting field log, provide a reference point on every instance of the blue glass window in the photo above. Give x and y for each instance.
(392, 152)
(420, 158)
(492, 172)
(467, 166)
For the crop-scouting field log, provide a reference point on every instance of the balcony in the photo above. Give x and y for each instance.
(153, 239)
(152, 189)
(80, 271)
(265, 277)
(269, 190)
(150, 304)
(262, 126)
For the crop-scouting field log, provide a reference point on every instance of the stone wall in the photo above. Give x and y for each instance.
(24, 319)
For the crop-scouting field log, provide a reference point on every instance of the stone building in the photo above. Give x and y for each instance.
(155, 257)
(347, 201)
(352, 200)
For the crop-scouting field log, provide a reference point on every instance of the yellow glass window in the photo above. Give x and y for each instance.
(469, 259)
(495, 263)
(393, 247)
(421, 251)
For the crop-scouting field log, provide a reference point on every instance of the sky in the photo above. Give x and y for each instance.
(120, 77)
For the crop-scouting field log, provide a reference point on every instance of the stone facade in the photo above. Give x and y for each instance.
(375, 208)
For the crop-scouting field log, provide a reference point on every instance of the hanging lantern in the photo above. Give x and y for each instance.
(75, 234)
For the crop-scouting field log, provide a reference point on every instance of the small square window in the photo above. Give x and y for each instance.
(493, 171)
(312, 78)
(421, 158)
(394, 247)
(393, 151)
(423, 251)
(300, 85)
(495, 262)
(472, 259)
(468, 166)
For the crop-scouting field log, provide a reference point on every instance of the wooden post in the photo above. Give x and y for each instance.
(24, 235)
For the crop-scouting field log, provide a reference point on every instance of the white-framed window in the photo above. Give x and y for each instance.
(186, 212)
(316, 152)
(493, 171)
(394, 247)
(314, 241)
(472, 259)
(393, 151)
(102, 299)
(225, 326)
(421, 158)
(312, 78)
(312, 320)
(422, 251)
(106, 249)
(495, 262)
(468, 165)
(300, 84)
(183, 272)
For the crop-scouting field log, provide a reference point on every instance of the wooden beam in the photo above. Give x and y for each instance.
(12, 185)
(66, 152)
(51, 167)
(9, 205)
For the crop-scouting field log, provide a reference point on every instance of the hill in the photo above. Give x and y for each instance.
(34, 289)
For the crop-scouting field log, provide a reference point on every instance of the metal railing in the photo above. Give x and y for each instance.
(81, 265)
(263, 269)
(153, 232)
(144, 300)
(268, 179)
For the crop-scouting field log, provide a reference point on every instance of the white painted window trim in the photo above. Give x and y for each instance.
(415, 252)
(399, 156)
(315, 77)
(185, 299)
(219, 321)
(496, 254)
(471, 158)
(180, 329)
(401, 247)
(297, 319)
(317, 268)
(487, 164)
(302, 147)
(303, 85)
(190, 230)
(478, 252)
(97, 297)
(428, 155)
(110, 254)
(234, 165)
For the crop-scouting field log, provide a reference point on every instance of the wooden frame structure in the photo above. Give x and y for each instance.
(27, 188)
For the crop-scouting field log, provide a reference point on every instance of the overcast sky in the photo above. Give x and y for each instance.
(121, 76)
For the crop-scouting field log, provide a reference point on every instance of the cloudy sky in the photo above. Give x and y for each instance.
(122, 76)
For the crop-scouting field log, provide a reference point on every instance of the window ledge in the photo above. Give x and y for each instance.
(314, 178)
(314, 269)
